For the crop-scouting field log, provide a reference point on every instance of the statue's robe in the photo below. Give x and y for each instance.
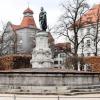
(43, 20)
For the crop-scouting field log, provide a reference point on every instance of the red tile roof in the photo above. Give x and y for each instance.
(63, 46)
(15, 27)
(91, 16)
(28, 10)
(27, 21)
(94, 62)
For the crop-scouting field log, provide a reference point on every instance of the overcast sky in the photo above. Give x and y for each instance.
(11, 10)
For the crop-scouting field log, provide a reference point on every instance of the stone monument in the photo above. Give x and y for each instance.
(41, 55)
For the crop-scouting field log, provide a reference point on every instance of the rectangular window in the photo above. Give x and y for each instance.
(82, 54)
(88, 43)
(88, 54)
(94, 43)
(60, 62)
(55, 62)
(62, 55)
(88, 30)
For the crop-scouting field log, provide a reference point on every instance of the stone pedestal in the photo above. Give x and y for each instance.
(41, 55)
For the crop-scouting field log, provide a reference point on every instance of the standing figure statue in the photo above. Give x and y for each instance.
(43, 19)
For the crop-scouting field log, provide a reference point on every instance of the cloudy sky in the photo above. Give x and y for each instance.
(11, 10)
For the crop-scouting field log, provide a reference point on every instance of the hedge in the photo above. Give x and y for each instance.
(94, 62)
(15, 61)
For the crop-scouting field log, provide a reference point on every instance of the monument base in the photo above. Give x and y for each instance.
(41, 55)
(48, 81)
(45, 64)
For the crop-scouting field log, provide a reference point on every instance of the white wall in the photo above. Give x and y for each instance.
(27, 38)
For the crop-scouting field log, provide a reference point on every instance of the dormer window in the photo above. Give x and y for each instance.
(89, 19)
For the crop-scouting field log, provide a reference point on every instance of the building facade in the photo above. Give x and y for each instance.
(90, 32)
(62, 52)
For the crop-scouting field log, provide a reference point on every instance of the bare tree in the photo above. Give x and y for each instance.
(96, 34)
(1, 40)
(14, 42)
(8, 42)
(70, 23)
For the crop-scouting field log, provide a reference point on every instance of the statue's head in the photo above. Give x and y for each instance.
(42, 8)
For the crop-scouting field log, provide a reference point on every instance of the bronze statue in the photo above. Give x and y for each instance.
(43, 19)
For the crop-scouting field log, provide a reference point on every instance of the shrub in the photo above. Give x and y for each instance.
(15, 61)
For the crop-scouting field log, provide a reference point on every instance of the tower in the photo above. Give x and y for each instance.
(28, 19)
(29, 29)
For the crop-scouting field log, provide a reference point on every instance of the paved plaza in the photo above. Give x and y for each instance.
(49, 97)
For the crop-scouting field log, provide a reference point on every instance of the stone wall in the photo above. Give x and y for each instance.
(51, 82)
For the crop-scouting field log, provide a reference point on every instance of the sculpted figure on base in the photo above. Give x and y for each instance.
(43, 19)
